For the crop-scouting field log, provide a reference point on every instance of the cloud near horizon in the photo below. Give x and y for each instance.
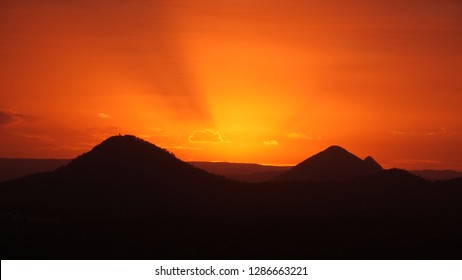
(205, 136)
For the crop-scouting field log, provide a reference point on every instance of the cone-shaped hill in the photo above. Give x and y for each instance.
(123, 175)
(331, 165)
(123, 157)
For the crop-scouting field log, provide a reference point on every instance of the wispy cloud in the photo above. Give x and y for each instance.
(298, 135)
(205, 136)
(399, 132)
(38, 137)
(440, 131)
(271, 143)
(104, 115)
(8, 117)
(413, 161)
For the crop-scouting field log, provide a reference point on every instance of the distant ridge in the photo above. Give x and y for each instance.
(245, 172)
(11, 168)
(331, 165)
(113, 152)
(437, 174)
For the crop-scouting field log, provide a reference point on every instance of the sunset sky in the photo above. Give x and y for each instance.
(262, 81)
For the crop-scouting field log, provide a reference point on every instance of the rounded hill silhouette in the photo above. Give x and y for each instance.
(333, 164)
(122, 156)
(122, 176)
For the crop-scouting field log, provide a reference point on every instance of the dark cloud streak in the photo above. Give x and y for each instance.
(8, 118)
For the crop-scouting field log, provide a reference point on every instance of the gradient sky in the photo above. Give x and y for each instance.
(262, 81)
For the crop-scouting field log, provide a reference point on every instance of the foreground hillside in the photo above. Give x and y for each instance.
(129, 199)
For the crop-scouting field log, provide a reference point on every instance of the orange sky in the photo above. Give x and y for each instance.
(245, 81)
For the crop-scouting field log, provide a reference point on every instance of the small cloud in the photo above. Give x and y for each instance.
(271, 143)
(38, 137)
(7, 117)
(297, 135)
(205, 136)
(425, 133)
(413, 161)
(436, 132)
(401, 132)
(104, 115)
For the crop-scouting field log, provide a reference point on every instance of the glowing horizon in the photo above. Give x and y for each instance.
(259, 82)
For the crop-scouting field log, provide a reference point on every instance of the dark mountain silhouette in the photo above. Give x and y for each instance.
(134, 157)
(129, 199)
(333, 164)
(372, 166)
(113, 200)
(11, 168)
(122, 176)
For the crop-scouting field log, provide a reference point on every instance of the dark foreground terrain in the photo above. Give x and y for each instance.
(128, 199)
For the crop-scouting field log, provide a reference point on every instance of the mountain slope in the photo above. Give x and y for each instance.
(121, 156)
(331, 165)
(125, 197)
(245, 172)
(122, 176)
